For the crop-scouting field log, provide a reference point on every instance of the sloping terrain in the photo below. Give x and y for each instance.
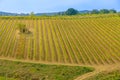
(78, 41)
(91, 41)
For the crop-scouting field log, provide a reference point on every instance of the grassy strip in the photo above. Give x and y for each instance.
(30, 71)
(115, 75)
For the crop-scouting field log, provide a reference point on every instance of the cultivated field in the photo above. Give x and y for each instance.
(66, 40)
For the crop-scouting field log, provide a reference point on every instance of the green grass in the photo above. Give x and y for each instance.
(115, 75)
(4, 78)
(30, 71)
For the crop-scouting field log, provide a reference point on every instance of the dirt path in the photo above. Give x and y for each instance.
(43, 62)
(98, 68)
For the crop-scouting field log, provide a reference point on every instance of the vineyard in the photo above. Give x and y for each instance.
(66, 40)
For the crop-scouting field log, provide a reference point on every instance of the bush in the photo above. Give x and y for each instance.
(22, 28)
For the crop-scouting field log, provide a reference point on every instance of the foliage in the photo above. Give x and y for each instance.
(61, 13)
(95, 11)
(71, 11)
(22, 28)
(104, 11)
(32, 14)
(112, 11)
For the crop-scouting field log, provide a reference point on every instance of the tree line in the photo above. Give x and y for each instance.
(72, 11)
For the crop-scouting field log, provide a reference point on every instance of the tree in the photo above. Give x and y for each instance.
(32, 14)
(104, 11)
(94, 11)
(71, 11)
(22, 28)
(112, 11)
(61, 13)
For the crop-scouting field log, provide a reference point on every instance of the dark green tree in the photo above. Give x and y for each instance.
(32, 14)
(61, 13)
(104, 11)
(95, 11)
(112, 11)
(71, 11)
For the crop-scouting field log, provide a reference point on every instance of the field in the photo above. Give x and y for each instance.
(72, 40)
(69, 40)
